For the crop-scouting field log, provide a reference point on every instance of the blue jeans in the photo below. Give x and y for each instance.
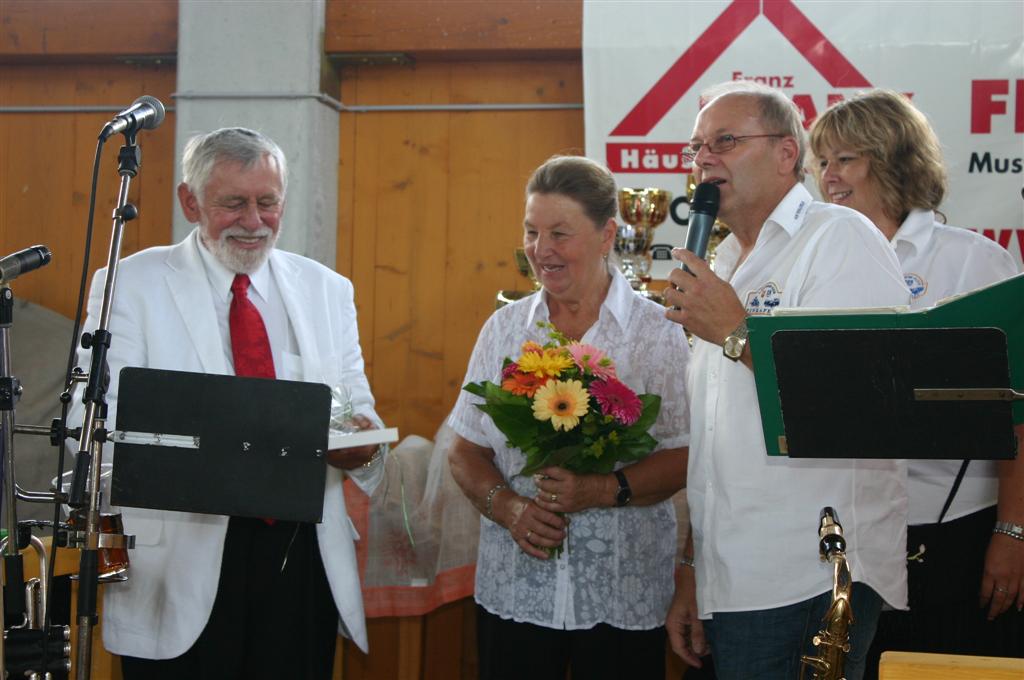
(767, 644)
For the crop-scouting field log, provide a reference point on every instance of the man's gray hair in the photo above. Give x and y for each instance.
(234, 144)
(778, 112)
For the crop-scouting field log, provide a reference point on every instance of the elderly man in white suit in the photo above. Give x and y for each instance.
(213, 596)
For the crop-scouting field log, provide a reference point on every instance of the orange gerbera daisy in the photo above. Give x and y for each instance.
(523, 384)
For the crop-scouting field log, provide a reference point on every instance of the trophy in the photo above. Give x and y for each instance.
(506, 296)
(643, 210)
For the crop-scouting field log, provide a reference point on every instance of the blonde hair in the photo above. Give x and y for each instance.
(905, 158)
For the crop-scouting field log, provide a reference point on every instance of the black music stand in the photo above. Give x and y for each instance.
(222, 445)
(851, 393)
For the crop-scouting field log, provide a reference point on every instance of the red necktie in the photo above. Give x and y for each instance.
(250, 346)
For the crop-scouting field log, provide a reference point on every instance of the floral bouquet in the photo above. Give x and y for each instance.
(561, 404)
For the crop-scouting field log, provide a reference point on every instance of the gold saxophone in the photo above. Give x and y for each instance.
(833, 640)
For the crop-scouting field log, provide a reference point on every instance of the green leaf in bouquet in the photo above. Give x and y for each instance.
(651, 407)
(596, 448)
(475, 388)
(563, 456)
(635, 447)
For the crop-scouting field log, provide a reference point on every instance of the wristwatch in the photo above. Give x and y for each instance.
(732, 346)
(625, 494)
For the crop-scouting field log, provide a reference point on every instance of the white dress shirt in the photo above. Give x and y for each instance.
(939, 261)
(617, 567)
(755, 517)
(263, 293)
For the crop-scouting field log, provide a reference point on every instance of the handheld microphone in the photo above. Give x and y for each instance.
(703, 211)
(22, 262)
(145, 113)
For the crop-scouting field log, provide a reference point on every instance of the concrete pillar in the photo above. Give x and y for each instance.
(257, 64)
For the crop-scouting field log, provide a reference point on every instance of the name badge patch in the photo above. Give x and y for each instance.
(764, 299)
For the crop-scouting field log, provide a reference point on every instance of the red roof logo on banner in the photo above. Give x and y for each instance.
(723, 31)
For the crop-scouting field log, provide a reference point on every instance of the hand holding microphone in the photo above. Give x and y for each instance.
(705, 304)
(703, 211)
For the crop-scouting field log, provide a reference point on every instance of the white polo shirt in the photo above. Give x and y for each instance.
(939, 261)
(755, 517)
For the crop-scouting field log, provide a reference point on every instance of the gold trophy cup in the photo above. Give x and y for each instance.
(643, 210)
(504, 297)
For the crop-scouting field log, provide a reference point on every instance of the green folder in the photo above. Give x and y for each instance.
(985, 345)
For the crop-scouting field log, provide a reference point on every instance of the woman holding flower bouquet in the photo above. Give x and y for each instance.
(572, 436)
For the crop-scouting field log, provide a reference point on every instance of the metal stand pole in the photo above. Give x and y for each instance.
(90, 448)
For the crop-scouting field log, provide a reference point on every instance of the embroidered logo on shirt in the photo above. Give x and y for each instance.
(764, 299)
(799, 210)
(916, 284)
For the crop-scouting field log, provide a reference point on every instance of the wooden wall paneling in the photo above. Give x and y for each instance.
(425, 188)
(152, 190)
(58, 29)
(441, 27)
(382, 663)
(362, 163)
(448, 643)
(34, 191)
(411, 273)
(410, 647)
(347, 172)
(47, 168)
(525, 82)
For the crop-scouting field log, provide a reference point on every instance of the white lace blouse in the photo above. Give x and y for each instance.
(618, 565)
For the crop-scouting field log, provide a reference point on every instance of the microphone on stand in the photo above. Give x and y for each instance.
(703, 211)
(145, 113)
(23, 262)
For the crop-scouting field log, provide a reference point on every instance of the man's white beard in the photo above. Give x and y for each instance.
(240, 260)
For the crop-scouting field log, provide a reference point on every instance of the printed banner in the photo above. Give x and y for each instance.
(645, 64)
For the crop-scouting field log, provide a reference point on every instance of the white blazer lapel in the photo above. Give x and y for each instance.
(298, 308)
(190, 290)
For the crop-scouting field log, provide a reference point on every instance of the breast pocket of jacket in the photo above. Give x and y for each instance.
(322, 369)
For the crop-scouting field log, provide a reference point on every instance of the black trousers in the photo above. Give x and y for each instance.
(520, 651)
(944, 615)
(273, 617)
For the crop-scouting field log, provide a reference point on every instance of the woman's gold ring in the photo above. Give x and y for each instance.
(528, 532)
(554, 498)
(1002, 590)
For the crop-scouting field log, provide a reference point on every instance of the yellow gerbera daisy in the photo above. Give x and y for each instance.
(550, 364)
(561, 402)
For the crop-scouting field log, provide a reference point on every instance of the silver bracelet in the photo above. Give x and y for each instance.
(687, 562)
(489, 504)
(1009, 529)
(382, 450)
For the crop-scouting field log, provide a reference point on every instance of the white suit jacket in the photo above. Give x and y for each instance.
(163, 317)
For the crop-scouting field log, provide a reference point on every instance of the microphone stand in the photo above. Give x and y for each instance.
(14, 585)
(90, 448)
(30, 643)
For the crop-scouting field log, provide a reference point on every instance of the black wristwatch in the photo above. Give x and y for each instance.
(625, 494)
